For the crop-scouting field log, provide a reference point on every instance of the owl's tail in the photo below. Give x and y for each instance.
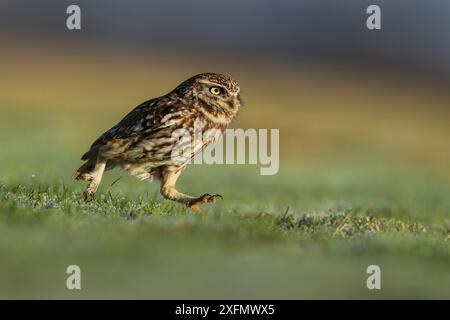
(83, 172)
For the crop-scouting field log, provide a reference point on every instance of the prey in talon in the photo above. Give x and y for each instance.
(142, 143)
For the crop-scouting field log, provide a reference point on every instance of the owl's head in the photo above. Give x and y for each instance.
(214, 89)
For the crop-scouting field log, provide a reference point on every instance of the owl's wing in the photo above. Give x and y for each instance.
(146, 117)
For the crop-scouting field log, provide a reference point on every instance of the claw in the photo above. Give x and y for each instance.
(88, 195)
(206, 198)
(212, 198)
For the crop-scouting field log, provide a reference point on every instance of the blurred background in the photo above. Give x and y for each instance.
(310, 68)
(364, 116)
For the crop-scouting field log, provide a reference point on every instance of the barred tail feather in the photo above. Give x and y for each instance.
(84, 171)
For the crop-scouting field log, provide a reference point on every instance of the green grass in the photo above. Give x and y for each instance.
(300, 234)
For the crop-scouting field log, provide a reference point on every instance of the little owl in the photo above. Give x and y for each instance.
(142, 142)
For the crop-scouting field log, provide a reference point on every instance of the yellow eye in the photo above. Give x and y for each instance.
(215, 90)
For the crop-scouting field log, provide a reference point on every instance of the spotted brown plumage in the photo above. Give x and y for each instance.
(142, 142)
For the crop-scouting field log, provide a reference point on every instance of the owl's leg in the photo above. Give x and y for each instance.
(168, 190)
(96, 178)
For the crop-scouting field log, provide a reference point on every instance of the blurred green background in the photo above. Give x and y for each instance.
(364, 140)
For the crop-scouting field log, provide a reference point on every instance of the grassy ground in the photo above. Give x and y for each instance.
(355, 188)
(302, 235)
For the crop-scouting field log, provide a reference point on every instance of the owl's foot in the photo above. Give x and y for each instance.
(206, 198)
(89, 193)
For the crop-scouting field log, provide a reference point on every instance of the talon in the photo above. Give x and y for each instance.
(212, 198)
(206, 198)
(88, 195)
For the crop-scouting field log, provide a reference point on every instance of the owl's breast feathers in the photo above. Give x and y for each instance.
(146, 133)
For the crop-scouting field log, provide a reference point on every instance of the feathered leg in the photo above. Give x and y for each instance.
(168, 190)
(93, 173)
(97, 175)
